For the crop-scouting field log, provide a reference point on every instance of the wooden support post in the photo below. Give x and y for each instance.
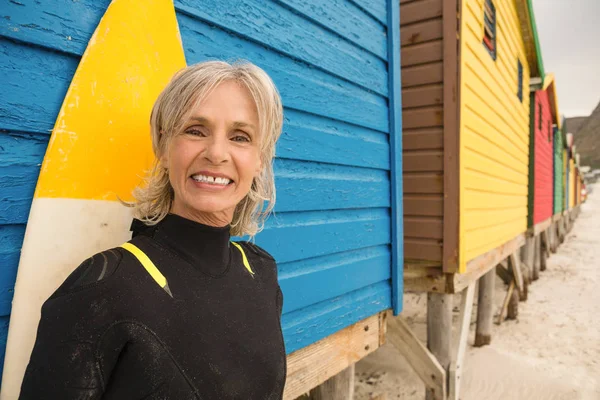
(529, 258)
(424, 363)
(504, 274)
(520, 280)
(439, 330)
(544, 253)
(460, 346)
(513, 306)
(504, 308)
(485, 309)
(537, 257)
(338, 387)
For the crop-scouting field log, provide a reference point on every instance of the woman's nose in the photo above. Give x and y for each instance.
(216, 149)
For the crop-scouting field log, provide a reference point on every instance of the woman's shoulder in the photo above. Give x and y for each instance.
(256, 250)
(93, 271)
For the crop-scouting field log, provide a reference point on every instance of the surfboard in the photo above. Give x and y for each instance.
(99, 149)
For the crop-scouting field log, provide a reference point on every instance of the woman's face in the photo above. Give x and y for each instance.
(212, 164)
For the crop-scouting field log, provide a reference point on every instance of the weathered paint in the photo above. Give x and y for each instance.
(494, 132)
(558, 172)
(332, 231)
(540, 159)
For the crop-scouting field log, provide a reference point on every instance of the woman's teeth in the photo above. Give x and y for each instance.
(211, 179)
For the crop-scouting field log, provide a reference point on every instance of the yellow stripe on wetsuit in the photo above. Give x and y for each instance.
(158, 276)
(244, 259)
(149, 266)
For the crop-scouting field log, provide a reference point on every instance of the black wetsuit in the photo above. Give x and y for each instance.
(111, 332)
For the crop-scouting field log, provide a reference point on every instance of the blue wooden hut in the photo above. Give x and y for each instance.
(337, 231)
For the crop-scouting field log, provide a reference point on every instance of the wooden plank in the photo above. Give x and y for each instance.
(426, 117)
(296, 236)
(423, 362)
(422, 53)
(424, 279)
(301, 86)
(424, 205)
(420, 10)
(421, 96)
(332, 275)
(303, 38)
(422, 139)
(421, 32)
(451, 123)
(423, 227)
(482, 264)
(423, 161)
(309, 137)
(542, 226)
(314, 364)
(418, 183)
(345, 19)
(422, 74)
(422, 249)
(329, 187)
(460, 346)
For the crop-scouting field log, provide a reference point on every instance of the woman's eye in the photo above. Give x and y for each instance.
(195, 132)
(241, 138)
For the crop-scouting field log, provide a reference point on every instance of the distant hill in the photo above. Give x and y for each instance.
(573, 124)
(587, 137)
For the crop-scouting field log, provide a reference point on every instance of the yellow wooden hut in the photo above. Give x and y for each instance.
(466, 135)
(467, 66)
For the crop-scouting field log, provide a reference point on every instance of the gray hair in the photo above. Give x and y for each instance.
(170, 113)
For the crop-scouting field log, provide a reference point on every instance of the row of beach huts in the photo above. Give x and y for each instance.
(422, 151)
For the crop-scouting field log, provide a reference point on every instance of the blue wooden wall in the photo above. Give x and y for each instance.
(332, 231)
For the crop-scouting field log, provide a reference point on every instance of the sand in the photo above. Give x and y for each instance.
(552, 351)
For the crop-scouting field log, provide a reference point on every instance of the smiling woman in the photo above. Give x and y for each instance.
(166, 315)
(214, 120)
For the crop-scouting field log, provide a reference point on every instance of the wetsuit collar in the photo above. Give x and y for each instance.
(206, 247)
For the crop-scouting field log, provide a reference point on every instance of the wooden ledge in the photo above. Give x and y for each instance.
(307, 368)
(477, 267)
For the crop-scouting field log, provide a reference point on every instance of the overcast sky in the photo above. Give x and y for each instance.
(569, 32)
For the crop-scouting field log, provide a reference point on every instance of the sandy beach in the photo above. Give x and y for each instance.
(552, 351)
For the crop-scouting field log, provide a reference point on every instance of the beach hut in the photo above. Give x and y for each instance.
(572, 182)
(544, 119)
(558, 189)
(465, 85)
(557, 229)
(337, 229)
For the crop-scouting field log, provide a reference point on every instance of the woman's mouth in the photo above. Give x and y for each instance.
(211, 180)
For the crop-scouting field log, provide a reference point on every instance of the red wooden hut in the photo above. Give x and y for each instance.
(544, 116)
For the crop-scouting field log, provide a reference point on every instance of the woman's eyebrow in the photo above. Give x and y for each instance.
(201, 120)
(241, 124)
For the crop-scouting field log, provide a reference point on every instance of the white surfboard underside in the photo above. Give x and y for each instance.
(79, 229)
